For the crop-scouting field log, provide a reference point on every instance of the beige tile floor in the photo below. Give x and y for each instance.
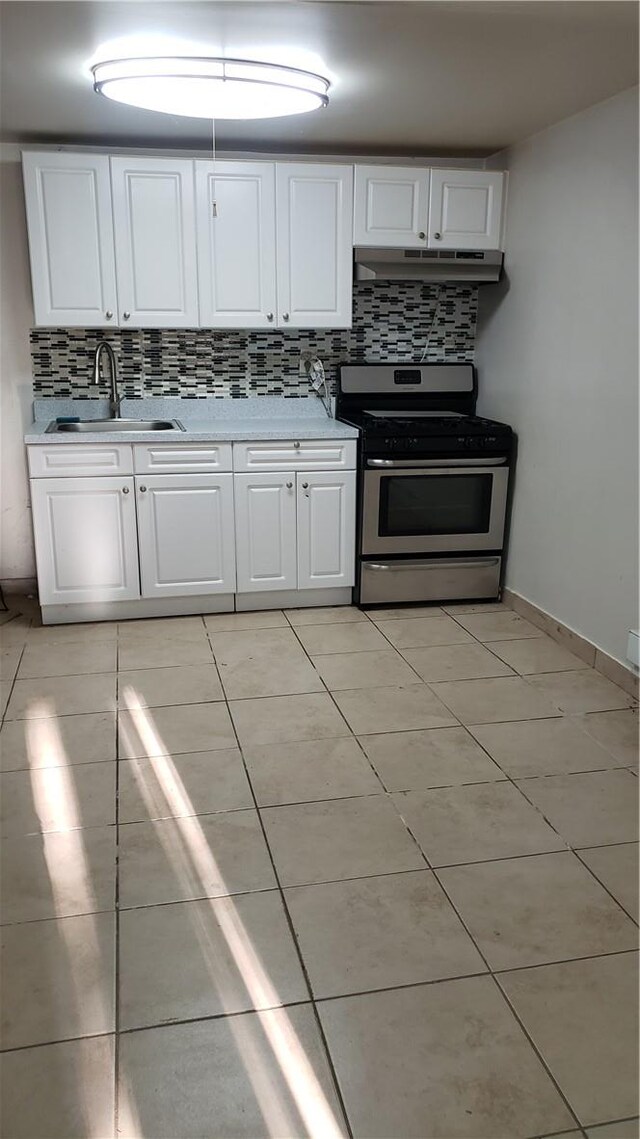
(315, 873)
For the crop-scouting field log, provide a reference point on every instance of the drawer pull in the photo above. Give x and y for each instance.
(296, 445)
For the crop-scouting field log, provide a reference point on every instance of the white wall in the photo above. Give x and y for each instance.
(16, 318)
(557, 358)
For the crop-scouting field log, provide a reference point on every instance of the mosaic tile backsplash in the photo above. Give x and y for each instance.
(393, 320)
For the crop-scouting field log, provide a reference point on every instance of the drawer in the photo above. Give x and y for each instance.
(69, 460)
(182, 458)
(292, 455)
(429, 579)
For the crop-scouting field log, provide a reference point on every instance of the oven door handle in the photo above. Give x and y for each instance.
(386, 566)
(418, 464)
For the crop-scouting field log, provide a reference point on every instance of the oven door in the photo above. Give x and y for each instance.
(433, 505)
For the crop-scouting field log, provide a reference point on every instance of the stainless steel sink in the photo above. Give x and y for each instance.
(88, 425)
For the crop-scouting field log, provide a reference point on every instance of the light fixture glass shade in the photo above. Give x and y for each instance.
(207, 88)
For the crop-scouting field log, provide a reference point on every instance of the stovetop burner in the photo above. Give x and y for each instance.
(418, 409)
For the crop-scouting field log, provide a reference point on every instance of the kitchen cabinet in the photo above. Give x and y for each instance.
(326, 511)
(295, 530)
(314, 226)
(158, 523)
(186, 534)
(391, 206)
(265, 511)
(405, 207)
(69, 219)
(85, 538)
(236, 244)
(155, 242)
(465, 209)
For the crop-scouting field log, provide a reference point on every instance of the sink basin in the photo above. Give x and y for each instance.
(116, 425)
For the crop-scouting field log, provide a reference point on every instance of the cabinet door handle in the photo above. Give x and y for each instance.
(289, 485)
(285, 316)
(269, 316)
(126, 315)
(108, 314)
(125, 490)
(142, 489)
(305, 486)
(437, 236)
(296, 445)
(422, 235)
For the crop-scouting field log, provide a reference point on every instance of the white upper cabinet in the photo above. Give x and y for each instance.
(68, 201)
(314, 211)
(391, 206)
(155, 237)
(465, 209)
(186, 534)
(236, 244)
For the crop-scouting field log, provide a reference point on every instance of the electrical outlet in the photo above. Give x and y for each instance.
(304, 364)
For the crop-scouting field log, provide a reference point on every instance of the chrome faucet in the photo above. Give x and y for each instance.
(114, 396)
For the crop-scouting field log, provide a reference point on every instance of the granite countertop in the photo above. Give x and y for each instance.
(204, 420)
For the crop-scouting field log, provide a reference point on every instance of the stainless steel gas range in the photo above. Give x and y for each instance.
(433, 483)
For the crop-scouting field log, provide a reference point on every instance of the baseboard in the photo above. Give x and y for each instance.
(293, 598)
(625, 677)
(141, 607)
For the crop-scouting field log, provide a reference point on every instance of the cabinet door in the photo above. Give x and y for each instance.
(326, 529)
(85, 537)
(68, 201)
(314, 220)
(185, 529)
(391, 206)
(265, 506)
(465, 209)
(237, 247)
(155, 236)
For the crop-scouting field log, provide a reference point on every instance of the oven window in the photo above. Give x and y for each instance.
(434, 504)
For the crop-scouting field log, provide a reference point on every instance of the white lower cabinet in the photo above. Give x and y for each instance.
(265, 509)
(109, 538)
(295, 530)
(326, 510)
(85, 537)
(185, 534)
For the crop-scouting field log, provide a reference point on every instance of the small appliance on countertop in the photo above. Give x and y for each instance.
(433, 482)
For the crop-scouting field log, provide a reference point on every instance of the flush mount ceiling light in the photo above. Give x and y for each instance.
(210, 88)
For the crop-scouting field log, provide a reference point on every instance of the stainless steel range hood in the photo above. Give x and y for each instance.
(427, 265)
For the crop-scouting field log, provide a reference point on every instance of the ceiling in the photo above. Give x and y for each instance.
(417, 78)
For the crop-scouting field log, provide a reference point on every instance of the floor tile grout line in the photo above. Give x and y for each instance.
(11, 689)
(430, 983)
(573, 850)
(602, 884)
(499, 989)
(289, 920)
(325, 882)
(116, 1045)
(369, 761)
(569, 846)
(606, 1123)
(537, 1052)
